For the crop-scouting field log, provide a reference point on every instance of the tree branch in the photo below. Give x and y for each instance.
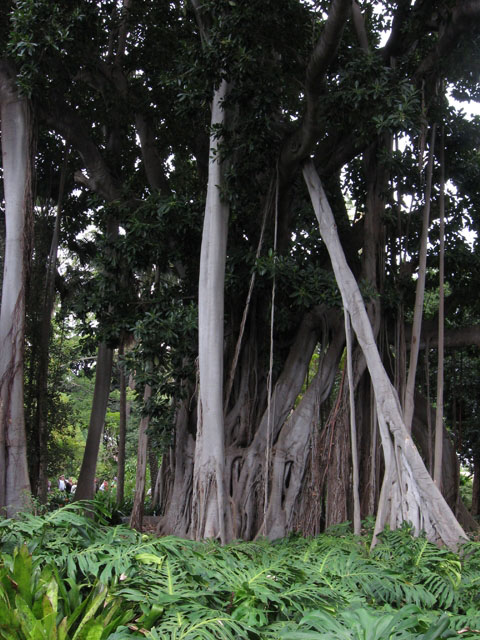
(359, 24)
(73, 128)
(300, 144)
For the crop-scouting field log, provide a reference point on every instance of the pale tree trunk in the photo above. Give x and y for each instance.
(86, 479)
(419, 294)
(136, 518)
(408, 492)
(437, 472)
(16, 149)
(208, 492)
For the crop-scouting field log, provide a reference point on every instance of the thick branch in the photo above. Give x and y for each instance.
(396, 42)
(462, 337)
(74, 129)
(359, 24)
(301, 143)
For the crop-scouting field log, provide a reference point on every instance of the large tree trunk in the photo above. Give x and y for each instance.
(86, 479)
(175, 496)
(136, 518)
(209, 490)
(292, 448)
(16, 138)
(408, 492)
(247, 457)
(292, 430)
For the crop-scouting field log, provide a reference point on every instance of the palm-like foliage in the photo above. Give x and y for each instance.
(331, 586)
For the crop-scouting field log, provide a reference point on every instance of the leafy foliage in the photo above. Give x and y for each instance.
(66, 575)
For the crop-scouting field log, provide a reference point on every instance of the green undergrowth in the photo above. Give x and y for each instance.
(67, 576)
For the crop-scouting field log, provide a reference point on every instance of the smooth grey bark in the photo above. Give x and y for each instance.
(208, 481)
(136, 518)
(408, 492)
(86, 479)
(16, 138)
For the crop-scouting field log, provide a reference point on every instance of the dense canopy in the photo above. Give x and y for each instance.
(174, 157)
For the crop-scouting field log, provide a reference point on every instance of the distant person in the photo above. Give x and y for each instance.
(61, 483)
(74, 487)
(104, 486)
(68, 485)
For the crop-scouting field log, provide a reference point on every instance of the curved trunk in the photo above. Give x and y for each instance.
(15, 122)
(246, 465)
(293, 447)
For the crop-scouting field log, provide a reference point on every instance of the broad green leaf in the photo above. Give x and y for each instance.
(22, 573)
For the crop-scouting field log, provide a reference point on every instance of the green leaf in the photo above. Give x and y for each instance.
(437, 630)
(25, 616)
(22, 573)
(95, 601)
